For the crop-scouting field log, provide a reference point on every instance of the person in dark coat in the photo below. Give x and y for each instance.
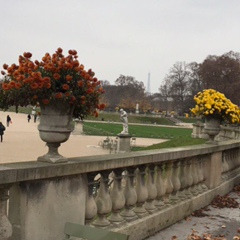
(2, 129)
(8, 120)
(29, 117)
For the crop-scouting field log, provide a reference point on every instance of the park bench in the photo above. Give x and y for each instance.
(91, 233)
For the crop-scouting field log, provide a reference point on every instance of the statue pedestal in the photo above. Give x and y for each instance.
(123, 143)
(78, 128)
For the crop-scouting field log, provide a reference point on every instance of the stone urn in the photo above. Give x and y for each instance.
(212, 128)
(55, 128)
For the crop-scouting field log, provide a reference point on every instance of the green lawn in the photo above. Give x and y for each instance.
(177, 136)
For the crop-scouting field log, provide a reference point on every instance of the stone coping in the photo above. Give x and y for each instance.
(33, 170)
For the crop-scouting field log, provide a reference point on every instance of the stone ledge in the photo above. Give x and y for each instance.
(25, 171)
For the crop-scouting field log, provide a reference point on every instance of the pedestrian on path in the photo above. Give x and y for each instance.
(2, 129)
(29, 117)
(9, 120)
(35, 117)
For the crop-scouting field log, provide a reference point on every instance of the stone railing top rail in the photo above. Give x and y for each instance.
(26, 171)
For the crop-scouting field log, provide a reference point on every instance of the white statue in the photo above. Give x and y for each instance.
(124, 119)
(137, 108)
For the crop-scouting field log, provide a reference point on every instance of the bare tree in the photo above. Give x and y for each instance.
(177, 85)
(222, 73)
(125, 88)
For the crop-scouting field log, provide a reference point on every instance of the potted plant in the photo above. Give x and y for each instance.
(60, 85)
(215, 108)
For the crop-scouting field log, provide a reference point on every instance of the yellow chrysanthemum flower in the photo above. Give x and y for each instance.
(210, 102)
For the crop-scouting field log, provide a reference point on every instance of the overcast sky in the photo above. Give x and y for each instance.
(128, 37)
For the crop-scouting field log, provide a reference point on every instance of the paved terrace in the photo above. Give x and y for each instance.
(21, 141)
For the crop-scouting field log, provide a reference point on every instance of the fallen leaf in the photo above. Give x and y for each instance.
(236, 238)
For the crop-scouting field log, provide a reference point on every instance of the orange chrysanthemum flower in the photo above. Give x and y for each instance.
(45, 101)
(46, 79)
(69, 78)
(65, 86)
(96, 114)
(73, 99)
(34, 86)
(40, 84)
(47, 85)
(102, 106)
(5, 86)
(12, 84)
(5, 66)
(27, 55)
(58, 95)
(59, 50)
(18, 85)
(56, 76)
(80, 83)
(30, 64)
(81, 66)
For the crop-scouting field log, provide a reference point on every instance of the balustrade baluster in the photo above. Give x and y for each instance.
(175, 182)
(229, 160)
(238, 160)
(117, 196)
(142, 192)
(103, 201)
(200, 175)
(168, 182)
(152, 190)
(194, 189)
(183, 180)
(228, 156)
(130, 195)
(91, 206)
(161, 188)
(5, 225)
(189, 178)
(203, 159)
(224, 165)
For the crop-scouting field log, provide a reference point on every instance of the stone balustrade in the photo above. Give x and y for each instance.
(138, 193)
(226, 132)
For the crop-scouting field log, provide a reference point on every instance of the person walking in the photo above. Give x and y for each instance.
(35, 117)
(29, 117)
(8, 120)
(2, 129)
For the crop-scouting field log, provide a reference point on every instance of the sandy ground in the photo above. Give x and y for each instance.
(21, 141)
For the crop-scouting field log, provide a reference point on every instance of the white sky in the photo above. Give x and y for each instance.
(113, 37)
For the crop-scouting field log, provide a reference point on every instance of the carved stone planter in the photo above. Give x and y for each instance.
(55, 128)
(212, 128)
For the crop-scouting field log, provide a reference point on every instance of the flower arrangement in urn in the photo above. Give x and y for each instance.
(62, 88)
(55, 77)
(213, 104)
